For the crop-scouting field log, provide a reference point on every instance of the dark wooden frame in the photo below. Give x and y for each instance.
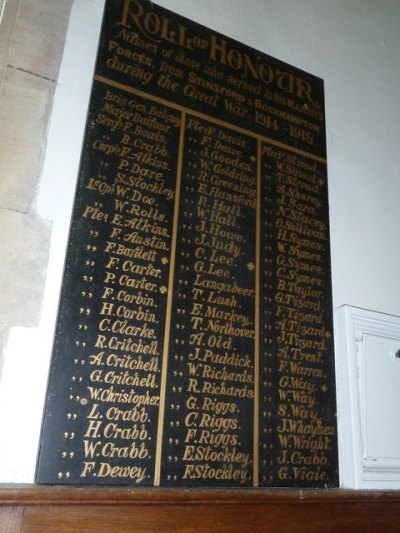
(59, 509)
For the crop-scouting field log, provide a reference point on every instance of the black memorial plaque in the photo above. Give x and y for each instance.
(194, 342)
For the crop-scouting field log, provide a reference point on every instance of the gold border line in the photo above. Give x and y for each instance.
(164, 370)
(256, 421)
(209, 118)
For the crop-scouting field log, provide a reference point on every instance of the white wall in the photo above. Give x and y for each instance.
(354, 45)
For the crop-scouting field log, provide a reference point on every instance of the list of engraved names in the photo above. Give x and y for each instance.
(194, 345)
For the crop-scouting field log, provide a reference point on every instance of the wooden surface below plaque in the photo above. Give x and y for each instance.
(27, 509)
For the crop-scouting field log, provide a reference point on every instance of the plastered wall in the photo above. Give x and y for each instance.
(32, 35)
(353, 45)
(31, 44)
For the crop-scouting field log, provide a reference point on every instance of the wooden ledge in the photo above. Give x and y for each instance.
(29, 508)
(63, 495)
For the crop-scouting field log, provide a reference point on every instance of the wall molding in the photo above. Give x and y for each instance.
(360, 379)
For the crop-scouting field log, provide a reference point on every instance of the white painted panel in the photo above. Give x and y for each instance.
(381, 375)
(368, 387)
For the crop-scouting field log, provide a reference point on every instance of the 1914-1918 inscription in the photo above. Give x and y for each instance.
(194, 339)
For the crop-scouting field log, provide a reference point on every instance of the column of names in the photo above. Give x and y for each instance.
(298, 430)
(210, 395)
(116, 294)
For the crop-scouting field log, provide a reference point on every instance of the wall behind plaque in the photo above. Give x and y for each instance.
(353, 46)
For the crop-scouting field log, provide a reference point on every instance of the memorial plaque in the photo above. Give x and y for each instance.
(194, 342)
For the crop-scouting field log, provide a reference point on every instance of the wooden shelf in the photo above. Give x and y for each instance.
(30, 508)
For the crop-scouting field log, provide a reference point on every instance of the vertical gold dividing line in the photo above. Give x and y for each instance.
(164, 369)
(256, 435)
